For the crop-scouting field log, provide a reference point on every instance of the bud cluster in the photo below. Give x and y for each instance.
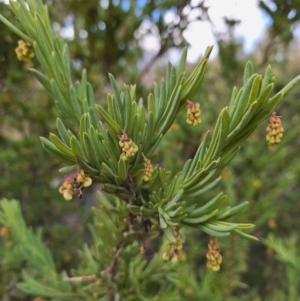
(148, 169)
(193, 113)
(4, 232)
(274, 129)
(129, 148)
(24, 51)
(74, 185)
(175, 247)
(214, 258)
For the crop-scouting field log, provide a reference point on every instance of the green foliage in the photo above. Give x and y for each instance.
(114, 152)
(286, 252)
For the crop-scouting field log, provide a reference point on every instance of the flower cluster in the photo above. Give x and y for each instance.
(148, 169)
(175, 247)
(274, 129)
(129, 148)
(214, 258)
(175, 254)
(74, 185)
(193, 113)
(24, 51)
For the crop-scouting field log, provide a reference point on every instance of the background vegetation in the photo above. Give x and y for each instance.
(107, 39)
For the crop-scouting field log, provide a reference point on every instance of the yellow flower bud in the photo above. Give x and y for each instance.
(174, 257)
(4, 232)
(68, 186)
(215, 268)
(87, 182)
(67, 195)
(165, 255)
(61, 189)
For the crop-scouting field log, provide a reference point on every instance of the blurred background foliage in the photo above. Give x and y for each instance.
(108, 37)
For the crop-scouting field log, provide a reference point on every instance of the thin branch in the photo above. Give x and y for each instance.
(113, 269)
(150, 64)
(80, 279)
(132, 189)
(114, 265)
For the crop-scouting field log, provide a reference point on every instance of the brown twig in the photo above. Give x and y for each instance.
(114, 266)
(112, 269)
(131, 187)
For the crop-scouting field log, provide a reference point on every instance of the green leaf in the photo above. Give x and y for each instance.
(171, 109)
(86, 167)
(109, 120)
(160, 102)
(106, 169)
(192, 83)
(75, 103)
(263, 98)
(207, 184)
(76, 148)
(106, 234)
(97, 144)
(16, 30)
(68, 169)
(103, 255)
(197, 176)
(112, 109)
(43, 80)
(244, 122)
(289, 86)
(244, 235)
(199, 156)
(116, 93)
(66, 64)
(200, 219)
(219, 137)
(123, 170)
(211, 232)
(242, 103)
(209, 206)
(149, 212)
(64, 134)
(56, 153)
(232, 211)
(220, 227)
(169, 233)
(130, 111)
(267, 79)
(248, 72)
(182, 62)
(60, 145)
(91, 151)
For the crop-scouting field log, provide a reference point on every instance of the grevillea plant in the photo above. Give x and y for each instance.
(116, 145)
